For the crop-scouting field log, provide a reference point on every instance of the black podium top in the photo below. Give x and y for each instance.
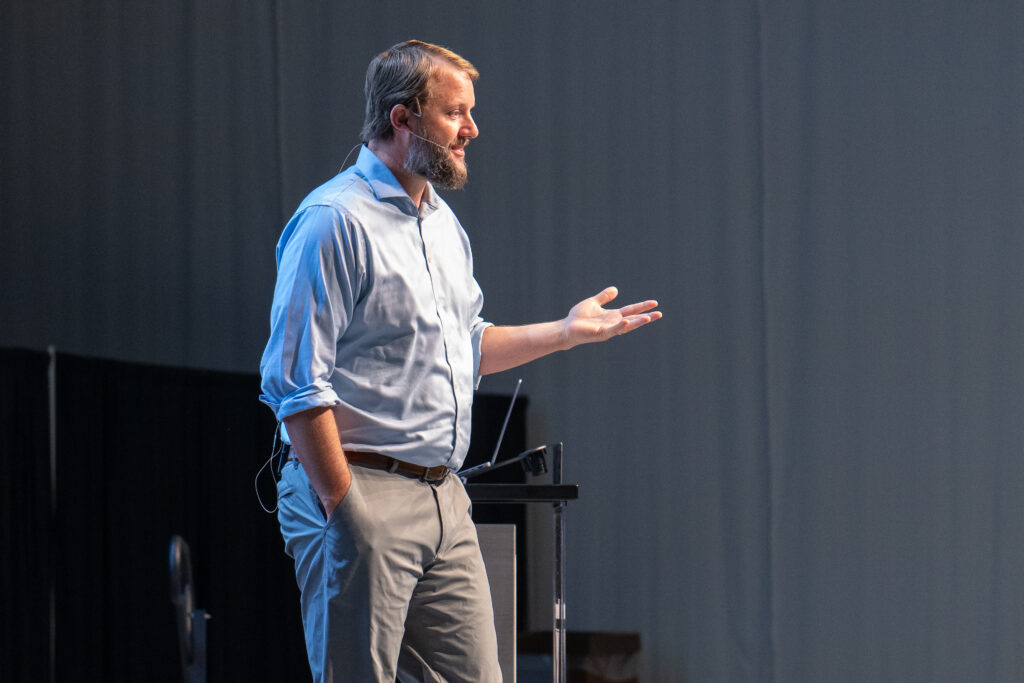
(522, 493)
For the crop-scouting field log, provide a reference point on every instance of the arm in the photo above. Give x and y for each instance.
(314, 436)
(503, 348)
(317, 283)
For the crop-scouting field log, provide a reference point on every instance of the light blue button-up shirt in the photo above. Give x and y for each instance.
(376, 312)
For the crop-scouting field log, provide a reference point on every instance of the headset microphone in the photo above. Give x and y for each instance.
(435, 144)
(419, 114)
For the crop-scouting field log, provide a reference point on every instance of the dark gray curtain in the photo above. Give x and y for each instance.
(141, 177)
(810, 470)
(894, 300)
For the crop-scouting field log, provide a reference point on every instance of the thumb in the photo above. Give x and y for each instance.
(606, 295)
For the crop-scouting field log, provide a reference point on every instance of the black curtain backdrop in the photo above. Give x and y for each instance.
(144, 452)
(26, 522)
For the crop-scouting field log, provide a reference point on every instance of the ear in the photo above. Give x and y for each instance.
(399, 117)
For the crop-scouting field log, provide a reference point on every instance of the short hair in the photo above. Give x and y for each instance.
(401, 75)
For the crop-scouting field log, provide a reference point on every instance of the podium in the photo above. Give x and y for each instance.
(557, 495)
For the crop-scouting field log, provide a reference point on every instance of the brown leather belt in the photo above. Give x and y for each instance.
(385, 462)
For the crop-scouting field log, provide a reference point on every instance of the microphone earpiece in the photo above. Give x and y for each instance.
(418, 113)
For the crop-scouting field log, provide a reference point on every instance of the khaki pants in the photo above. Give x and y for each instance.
(393, 586)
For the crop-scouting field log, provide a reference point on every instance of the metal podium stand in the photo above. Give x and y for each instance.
(558, 494)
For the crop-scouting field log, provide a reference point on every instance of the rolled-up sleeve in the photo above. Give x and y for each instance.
(318, 280)
(476, 332)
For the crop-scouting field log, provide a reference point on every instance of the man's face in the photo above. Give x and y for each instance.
(446, 121)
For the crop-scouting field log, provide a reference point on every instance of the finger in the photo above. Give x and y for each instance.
(636, 321)
(639, 307)
(621, 327)
(606, 295)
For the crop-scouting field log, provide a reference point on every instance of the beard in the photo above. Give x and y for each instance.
(435, 163)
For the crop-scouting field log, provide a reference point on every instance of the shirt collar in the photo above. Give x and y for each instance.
(387, 188)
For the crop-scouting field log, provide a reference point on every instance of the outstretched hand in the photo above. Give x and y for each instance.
(504, 347)
(589, 321)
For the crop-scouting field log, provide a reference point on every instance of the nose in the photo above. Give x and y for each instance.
(470, 130)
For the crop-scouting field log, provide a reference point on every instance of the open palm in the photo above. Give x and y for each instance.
(589, 321)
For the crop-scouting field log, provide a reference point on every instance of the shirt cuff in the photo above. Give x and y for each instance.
(477, 335)
(318, 395)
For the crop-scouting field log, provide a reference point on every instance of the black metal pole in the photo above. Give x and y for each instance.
(558, 633)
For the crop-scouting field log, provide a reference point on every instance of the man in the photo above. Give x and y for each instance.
(376, 347)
